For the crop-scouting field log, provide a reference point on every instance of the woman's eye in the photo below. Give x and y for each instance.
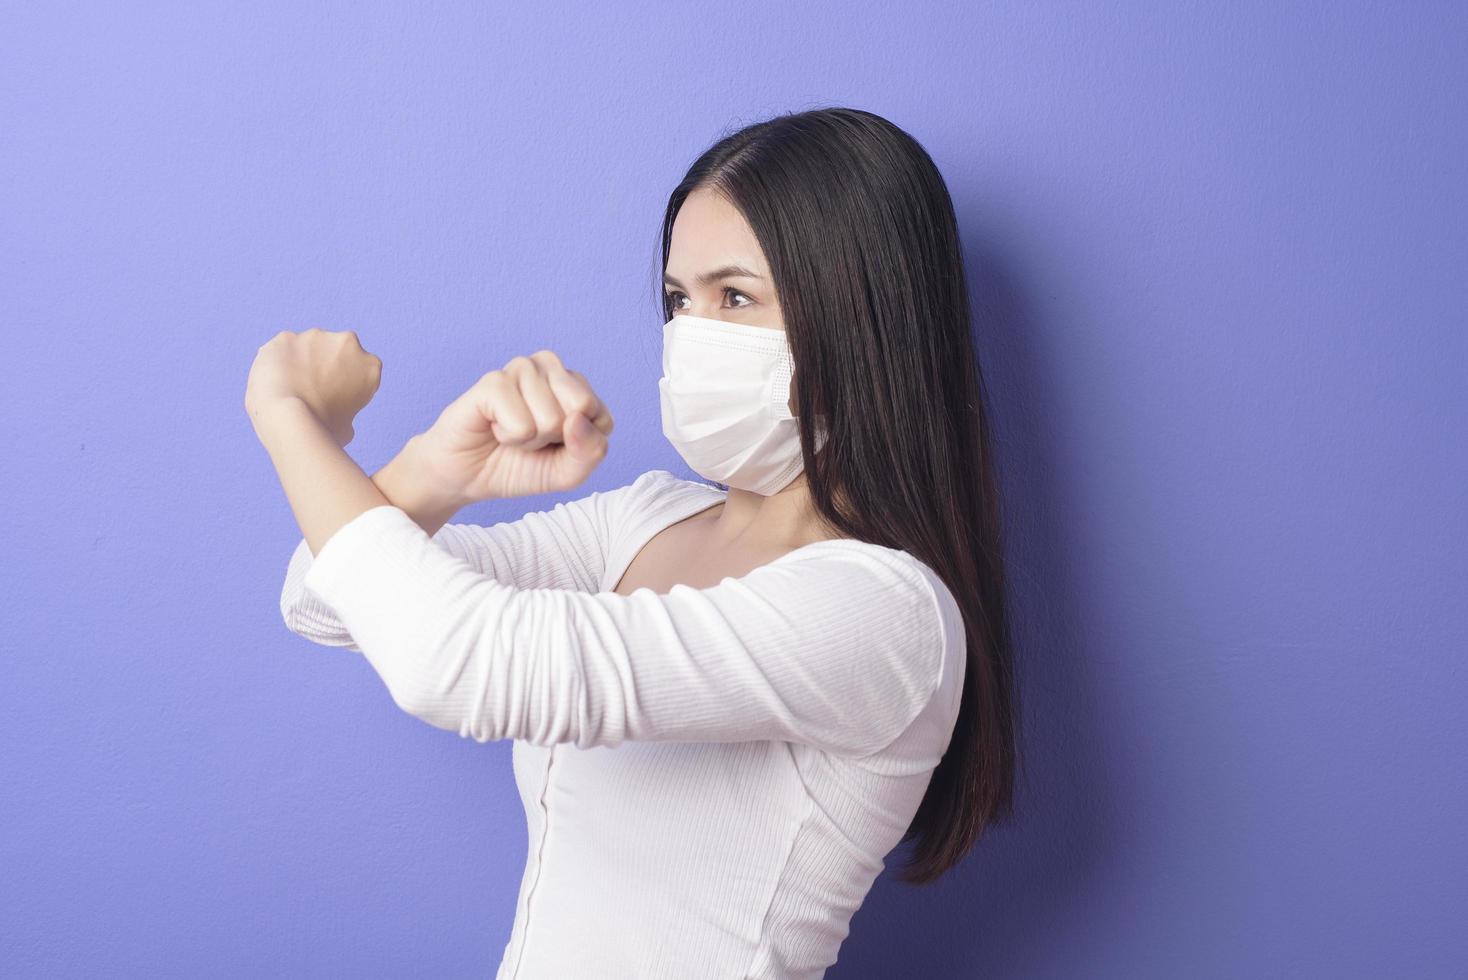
(674, 296)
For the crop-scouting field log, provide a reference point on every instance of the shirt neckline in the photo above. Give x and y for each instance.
(701, 504)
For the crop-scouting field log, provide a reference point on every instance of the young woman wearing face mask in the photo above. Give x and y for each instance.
(729, 700)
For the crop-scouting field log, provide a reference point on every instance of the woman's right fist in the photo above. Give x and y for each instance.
(533, 426)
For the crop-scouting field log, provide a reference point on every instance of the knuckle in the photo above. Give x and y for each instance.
(518, 428)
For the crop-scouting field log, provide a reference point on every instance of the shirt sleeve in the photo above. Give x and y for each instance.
(564, 547)
(838, 644)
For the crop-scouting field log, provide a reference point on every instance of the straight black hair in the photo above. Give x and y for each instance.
(860, 234)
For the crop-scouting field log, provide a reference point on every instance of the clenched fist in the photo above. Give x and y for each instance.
(326, 369)
(533, 426)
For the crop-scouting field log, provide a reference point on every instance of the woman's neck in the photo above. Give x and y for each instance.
(778, 522)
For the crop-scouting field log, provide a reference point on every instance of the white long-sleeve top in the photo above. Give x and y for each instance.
(711, 777)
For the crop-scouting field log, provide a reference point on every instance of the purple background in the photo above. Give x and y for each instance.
(1221, 254)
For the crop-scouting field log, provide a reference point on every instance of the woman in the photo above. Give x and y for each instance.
(728, 702)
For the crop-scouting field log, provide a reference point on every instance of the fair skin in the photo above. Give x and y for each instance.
(534, 426)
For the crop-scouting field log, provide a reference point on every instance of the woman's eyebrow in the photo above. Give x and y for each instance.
(725, 272)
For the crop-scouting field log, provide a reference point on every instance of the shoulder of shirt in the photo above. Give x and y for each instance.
(939, 631)
(654, 490)
(908, 567)
(945, 637)
(666, 481)
(645, 488)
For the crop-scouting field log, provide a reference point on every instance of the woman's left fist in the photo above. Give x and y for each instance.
(326, 369)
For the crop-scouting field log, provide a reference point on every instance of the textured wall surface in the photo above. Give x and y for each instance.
(1220, 255)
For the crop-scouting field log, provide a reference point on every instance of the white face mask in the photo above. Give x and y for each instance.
(724, 394)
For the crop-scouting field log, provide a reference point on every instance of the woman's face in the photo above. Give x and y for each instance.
(716, 268)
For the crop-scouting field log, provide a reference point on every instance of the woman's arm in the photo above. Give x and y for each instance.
(324, 486)
(838, 645)
(564, 547)
(289, 437)
(531, 427)
(398, 480)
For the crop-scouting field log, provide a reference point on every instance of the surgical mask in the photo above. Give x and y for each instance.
(724, 394)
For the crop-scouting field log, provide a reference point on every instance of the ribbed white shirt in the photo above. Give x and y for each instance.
(711, 777)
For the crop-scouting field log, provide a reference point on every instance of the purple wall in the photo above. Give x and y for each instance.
(1224, 255)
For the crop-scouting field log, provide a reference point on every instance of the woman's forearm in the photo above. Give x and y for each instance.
(325, 487)
(400, 483)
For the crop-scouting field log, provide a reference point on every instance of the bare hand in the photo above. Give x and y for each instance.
(531, 427)
(327, 370)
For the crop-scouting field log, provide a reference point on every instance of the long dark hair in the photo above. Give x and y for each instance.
(861, 238)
